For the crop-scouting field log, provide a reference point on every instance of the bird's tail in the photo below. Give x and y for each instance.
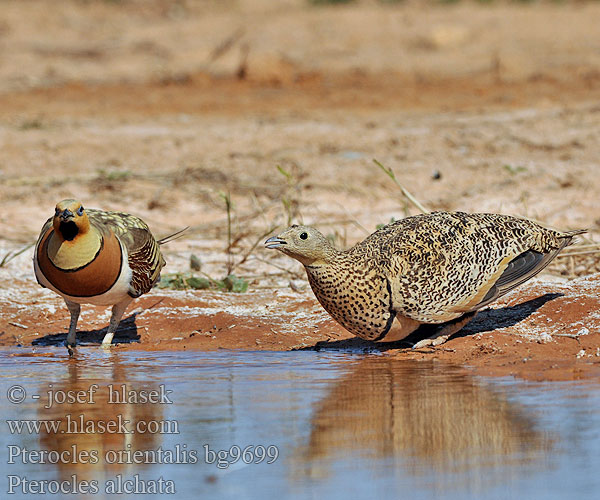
(172, 236)
(569, 235)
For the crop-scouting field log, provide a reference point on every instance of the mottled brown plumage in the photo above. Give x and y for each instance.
(433, 268)
(97, 257)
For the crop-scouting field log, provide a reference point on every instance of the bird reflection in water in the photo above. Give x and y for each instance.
(433, 422)
(115, 450)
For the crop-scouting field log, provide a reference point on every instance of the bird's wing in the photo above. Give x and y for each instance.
(145, 260)
(447, 264)
(47, 225)
(144, 256)
(513, 274)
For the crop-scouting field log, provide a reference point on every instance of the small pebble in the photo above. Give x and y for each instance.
(195, 263)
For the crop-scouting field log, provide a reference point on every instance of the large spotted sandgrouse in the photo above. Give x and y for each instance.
(96, 257)
(438, 268)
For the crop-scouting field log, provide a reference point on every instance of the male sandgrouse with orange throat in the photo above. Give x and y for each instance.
(96, 257)
(427, 269)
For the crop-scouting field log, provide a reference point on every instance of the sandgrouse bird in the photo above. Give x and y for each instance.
(437, 268)
(96, 257)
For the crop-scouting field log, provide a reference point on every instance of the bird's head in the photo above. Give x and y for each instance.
(304, 244)
(70, 219)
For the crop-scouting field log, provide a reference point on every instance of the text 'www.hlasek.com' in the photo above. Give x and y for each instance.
(105, 431)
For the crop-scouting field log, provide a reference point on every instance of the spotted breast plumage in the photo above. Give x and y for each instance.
(96, 257)
(436, 268)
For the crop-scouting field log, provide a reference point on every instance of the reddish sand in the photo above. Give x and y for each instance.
(544, 331)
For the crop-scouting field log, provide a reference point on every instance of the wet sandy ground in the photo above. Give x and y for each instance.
(159, 113)
(543, 331)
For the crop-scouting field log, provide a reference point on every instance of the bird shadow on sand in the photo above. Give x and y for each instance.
(486, 320)
(504, 317)
(126, 333)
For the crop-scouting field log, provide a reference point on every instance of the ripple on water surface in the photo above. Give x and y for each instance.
(330, 423)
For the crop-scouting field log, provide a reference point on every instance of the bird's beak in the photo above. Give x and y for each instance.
(66, 215)
(275, 242)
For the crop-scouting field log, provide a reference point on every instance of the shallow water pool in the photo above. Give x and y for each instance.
(287, 425)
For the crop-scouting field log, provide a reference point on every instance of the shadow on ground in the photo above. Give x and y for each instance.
(505, 317)
(485, 321)
(125, 334)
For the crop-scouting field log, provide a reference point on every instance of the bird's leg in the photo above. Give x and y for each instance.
(446, 331)
(71, 341)
(117, 311)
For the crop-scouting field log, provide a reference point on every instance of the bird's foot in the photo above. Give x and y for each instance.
(70, 348)
(431, 342)
(107, 340)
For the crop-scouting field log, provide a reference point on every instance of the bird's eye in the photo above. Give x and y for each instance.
(80, 211)
(303, 236)
(56, 211)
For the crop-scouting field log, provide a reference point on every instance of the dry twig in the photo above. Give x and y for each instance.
(390, 173)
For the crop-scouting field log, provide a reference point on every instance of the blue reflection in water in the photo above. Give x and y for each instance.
(344, 426)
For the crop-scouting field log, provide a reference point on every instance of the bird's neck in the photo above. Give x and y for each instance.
(328, 257)
(335, 263)
(75, 253)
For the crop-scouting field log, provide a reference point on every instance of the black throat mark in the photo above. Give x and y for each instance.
(68, 230)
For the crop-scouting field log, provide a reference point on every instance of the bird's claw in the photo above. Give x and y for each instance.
(431, 342)
(70, 348)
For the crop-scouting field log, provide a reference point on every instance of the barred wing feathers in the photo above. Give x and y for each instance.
(144, 256)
